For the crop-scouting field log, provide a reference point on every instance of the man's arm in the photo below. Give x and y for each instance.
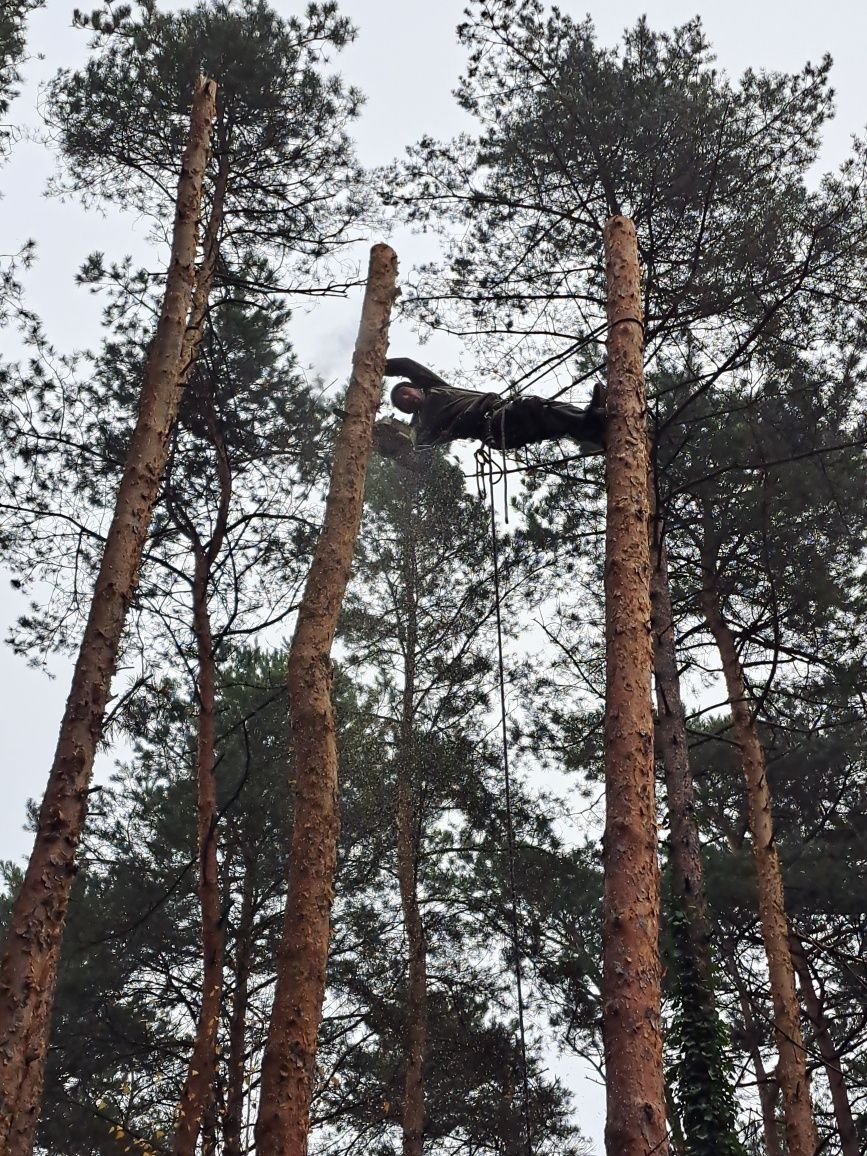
(419, 376)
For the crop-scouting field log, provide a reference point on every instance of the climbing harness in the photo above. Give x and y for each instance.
(484, 460)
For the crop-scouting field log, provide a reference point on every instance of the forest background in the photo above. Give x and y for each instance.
(405, 61)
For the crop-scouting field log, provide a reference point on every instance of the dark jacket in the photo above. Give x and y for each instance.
(449, 413)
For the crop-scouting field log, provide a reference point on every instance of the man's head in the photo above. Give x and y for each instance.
(407, 398)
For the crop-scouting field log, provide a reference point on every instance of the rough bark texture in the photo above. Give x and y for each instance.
(794, 1084)
(233, 1121)
(31, 952)
(415, 1029)
(632, 1026)
(290, 1052)
(827, 1050)
(206, 272)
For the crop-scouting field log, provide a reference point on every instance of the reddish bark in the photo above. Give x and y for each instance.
(827, 1049)
(31, 952)
(290, 1052)
(207, 270)
(792, 1075)
(416, 1026)
(632, 1029)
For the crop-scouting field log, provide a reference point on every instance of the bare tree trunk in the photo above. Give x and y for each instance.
(707, 1098)
(233, 1121)
(415, 1032)
(201, 1069)
(290, 1051)
(207, 270)
(794, 1083)
(632, 1029)
(687, 872)
(415, 1039)
(827, 1049)
(209, 1126)
(766, 1084)
(28, 971)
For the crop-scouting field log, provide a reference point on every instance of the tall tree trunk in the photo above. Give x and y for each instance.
(827, 1049)
(687, 873)
(207, 269)
(765, 1083)
(290, 1052)
(632, 1029)
(198, 1087)
(415, 1030)
(707, 1098)
(28, 971)
(801, 1135)
(236, 1065)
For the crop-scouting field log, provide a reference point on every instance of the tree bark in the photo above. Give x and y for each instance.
(707, 1097)
(233, 1121)
(827, 1049)
(687, 873)
(201, 1070)
(207, 270)
(767, 1085)
(28, 970)
(290, 1052)
(632, 1029)
(794, 1083)
(415, 1030)
(415, 1037)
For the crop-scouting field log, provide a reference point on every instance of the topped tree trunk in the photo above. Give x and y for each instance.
(290, 1053)
(28, 972)
(631, 1027)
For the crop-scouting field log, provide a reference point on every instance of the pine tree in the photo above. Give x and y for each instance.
(284, 188)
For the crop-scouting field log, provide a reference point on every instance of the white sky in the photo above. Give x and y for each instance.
(406, 60)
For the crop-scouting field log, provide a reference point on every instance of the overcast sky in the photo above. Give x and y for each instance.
(406, 60)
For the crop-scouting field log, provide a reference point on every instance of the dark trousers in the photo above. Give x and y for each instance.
(529, 420)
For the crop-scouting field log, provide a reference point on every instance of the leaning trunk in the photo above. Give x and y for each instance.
(632, 1029)
(415, 1029)
(792, 1069)
(198, 1087)
(827, 1049)
(233, 1121)
(290, 1052)
(28, 971)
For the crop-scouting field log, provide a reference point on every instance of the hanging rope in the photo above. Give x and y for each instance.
(484, 459)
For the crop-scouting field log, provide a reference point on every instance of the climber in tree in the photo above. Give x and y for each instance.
(441, 413)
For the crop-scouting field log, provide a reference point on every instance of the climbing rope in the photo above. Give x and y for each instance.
(485, 460)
